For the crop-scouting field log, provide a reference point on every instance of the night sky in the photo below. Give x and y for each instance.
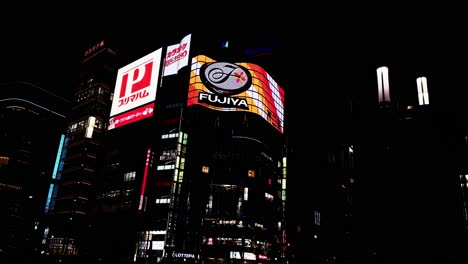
(338, 55)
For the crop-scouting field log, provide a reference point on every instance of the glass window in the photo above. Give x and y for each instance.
(129, 176)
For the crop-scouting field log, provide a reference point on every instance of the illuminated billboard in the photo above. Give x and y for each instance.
(225, 86)
(177, 56)
(135, 88)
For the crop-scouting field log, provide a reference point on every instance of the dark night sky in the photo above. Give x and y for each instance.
(326, 59)
(333, 54)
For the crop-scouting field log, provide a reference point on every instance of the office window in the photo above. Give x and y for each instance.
(129, 176)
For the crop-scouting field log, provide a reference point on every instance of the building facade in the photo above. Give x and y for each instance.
(174, 164)
(69, 207)
(32, 119)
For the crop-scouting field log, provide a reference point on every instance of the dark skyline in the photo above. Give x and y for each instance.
(341, 58)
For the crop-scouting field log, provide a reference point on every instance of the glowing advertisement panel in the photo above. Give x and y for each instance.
(225, 86)
(131, 116)
(136, 83)
(177, 56)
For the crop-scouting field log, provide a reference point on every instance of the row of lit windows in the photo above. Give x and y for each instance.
(79, 125)
(236, 242)
(115, 193)
(85, 95)
(168, 154)
(171, 135)
(163, 201)
(9, 186)
(129, 176)
(166, 167)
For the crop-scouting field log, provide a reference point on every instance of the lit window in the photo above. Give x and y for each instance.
(205, 169)
(129, 176)
(163, 201)
(165, 167)
(4, 160)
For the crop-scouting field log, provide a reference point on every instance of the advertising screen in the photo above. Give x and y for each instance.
(136, 86)
(225, 86)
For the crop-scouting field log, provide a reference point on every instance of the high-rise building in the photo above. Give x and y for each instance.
(406, 179)
(201, 175)
(32, 119)
(184, 161)
(71, 193)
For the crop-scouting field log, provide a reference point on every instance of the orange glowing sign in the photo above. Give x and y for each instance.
(225, 86)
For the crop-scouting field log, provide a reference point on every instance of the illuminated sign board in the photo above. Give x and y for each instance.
(135, 87)
(177, 56)
(94, 48)
(250, 256)
(183, 255)
(235, 255)
(225, 86)
(131, 116)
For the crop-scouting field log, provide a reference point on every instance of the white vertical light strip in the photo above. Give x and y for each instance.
(246, 194)
(90, 128)
(383, 84)
(423, 94)
(379, 84)
(210, 201)
(420, 91)
(386, 85)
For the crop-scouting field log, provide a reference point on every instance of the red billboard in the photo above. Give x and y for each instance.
(135, 89)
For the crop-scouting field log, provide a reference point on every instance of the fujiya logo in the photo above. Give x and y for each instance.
(135, 81)
(224, 79)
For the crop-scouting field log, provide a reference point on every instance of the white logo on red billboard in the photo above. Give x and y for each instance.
(136, 81)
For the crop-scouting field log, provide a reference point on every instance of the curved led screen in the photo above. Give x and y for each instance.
(225, 86)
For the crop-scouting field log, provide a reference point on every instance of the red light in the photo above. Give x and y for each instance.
(269, 181)
(143, 185)
(163, 184)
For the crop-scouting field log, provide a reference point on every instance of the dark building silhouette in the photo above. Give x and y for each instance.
(32, 120)
(400, 199)
(72, 192)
